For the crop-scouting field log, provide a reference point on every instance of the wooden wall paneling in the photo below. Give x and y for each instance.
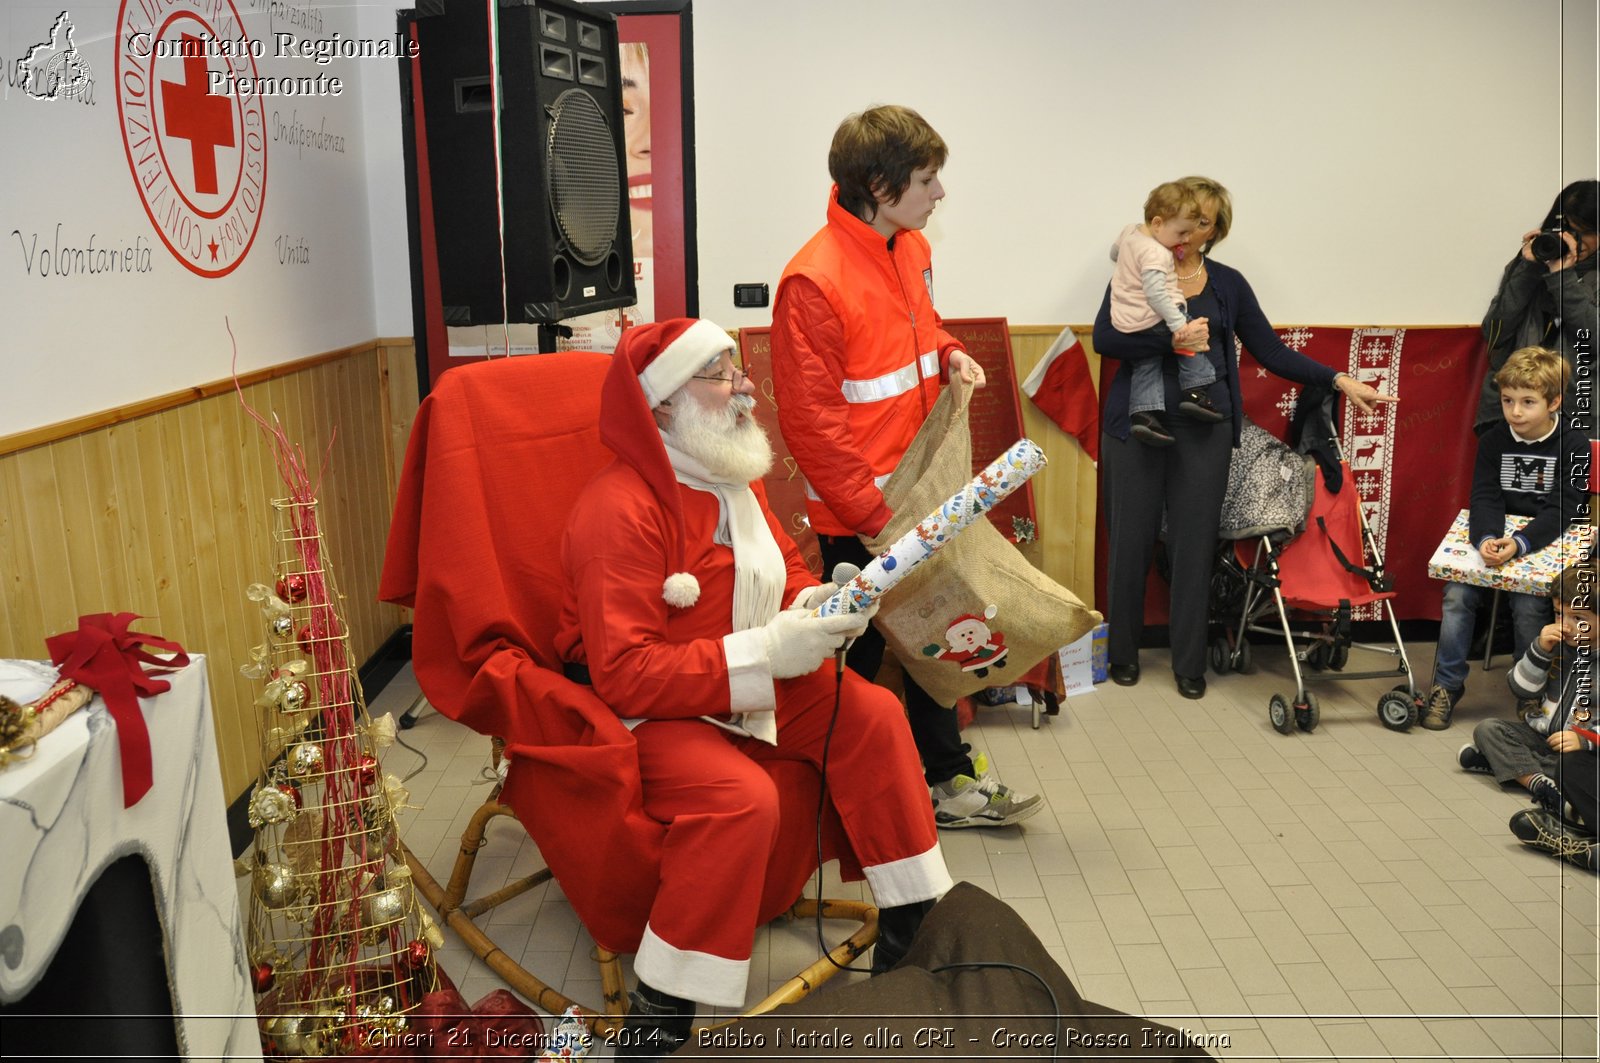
(86, 585)
(1064, 491)
(23, 607)
(235, 437)
(161, 489)
(133, 519)
(105, 526)
(50, 567)
(164, 510)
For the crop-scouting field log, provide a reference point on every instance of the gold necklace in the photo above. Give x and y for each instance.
(1197, 271)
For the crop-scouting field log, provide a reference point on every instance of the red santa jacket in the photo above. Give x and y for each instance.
(858, 352)
(646, 659)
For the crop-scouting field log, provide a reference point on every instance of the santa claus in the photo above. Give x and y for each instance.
(689, 609)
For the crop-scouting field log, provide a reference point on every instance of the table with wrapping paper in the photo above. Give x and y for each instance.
(63, 828)
(1457, 560)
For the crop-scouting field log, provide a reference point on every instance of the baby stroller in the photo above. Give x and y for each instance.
(1295, 548)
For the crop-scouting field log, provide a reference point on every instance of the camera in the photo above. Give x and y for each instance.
(1548, 246)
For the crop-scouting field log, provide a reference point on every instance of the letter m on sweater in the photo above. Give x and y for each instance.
(1531, 476)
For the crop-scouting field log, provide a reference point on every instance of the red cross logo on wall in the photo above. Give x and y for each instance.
(207, 213)
(193, 114)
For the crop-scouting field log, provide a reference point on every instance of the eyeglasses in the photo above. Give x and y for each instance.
(736, 377)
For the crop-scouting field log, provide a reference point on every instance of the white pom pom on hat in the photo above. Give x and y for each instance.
(651, 362)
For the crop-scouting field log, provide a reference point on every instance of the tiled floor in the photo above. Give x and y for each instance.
(1345, 894)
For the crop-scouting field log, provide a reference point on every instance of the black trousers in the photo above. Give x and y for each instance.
(934, 728)
(1138, 481)
(1578, 775)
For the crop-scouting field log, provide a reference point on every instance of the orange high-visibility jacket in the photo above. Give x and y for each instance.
(858, 353)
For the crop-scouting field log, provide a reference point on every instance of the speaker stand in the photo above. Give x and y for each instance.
(549, 333)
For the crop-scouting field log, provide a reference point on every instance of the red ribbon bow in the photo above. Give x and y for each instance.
(104, 655)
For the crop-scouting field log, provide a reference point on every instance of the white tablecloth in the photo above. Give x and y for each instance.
(62, 822)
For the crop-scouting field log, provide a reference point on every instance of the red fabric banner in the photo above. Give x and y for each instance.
(105, 656)
(1410, 461)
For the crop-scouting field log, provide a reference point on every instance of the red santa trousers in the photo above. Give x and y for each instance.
(722, 816)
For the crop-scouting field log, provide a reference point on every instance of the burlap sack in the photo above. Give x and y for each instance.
(976, 614)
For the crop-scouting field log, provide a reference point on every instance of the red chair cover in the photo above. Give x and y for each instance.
(498, 453)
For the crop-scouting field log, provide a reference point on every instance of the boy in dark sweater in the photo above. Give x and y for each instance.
(1527, 465)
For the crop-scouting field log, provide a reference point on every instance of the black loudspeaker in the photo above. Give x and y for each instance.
(568, 240)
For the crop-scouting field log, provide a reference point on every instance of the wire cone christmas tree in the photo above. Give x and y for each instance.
(340, 949)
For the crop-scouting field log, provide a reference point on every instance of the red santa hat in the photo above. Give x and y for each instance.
(651, 362)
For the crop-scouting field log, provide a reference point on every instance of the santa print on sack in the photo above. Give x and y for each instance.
(972, 645)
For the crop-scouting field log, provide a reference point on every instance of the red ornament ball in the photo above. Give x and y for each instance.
(303, 638)
(417, 953)
(262, 975)
(293, 791)
(292, 588)
(367, 769)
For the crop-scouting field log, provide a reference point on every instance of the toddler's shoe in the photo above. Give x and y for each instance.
(1439, 707)
(1547, 793)
(1471, 760)
(1148, 429)
(1196, 404)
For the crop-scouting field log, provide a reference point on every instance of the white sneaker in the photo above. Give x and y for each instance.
(984, 802)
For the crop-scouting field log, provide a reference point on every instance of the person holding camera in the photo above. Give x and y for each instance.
(1548, 295)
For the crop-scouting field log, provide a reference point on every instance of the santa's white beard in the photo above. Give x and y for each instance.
(728, 442)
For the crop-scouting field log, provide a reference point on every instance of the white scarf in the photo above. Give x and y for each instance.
(759, 572)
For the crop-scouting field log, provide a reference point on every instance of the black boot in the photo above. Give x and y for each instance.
(657, 1024)
(1148, 429)
(897, 927)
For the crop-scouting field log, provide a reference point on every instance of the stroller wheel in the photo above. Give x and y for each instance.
(1339, 656)
(1220, 655)
(1397, 711)
(1241, 653)
(1317, 656)
(1278, 713)
(1307, 716)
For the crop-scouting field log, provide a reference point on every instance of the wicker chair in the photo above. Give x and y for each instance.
(498, 453)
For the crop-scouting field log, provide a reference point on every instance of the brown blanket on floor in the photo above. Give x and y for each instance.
(918, 1011)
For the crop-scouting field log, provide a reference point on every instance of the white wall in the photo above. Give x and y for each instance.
(76, 344)
(1385, 155)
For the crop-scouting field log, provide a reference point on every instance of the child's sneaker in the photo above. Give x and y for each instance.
(1148, 429)
(1543, 830)
(1547, 793)
(1197, 404)
(1471, 760)
(967, 802)
(1439, 707)
(1535, 713)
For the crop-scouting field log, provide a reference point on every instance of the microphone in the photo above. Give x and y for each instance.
(843, 573)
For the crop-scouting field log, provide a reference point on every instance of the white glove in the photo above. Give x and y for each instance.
(798, 643)
(812, 597)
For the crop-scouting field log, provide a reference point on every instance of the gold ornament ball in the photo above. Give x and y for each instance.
(276, 885)
(305, 758)
(385, 906)
(295, 697)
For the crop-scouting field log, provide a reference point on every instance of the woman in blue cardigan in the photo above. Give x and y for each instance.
(1187, 479)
